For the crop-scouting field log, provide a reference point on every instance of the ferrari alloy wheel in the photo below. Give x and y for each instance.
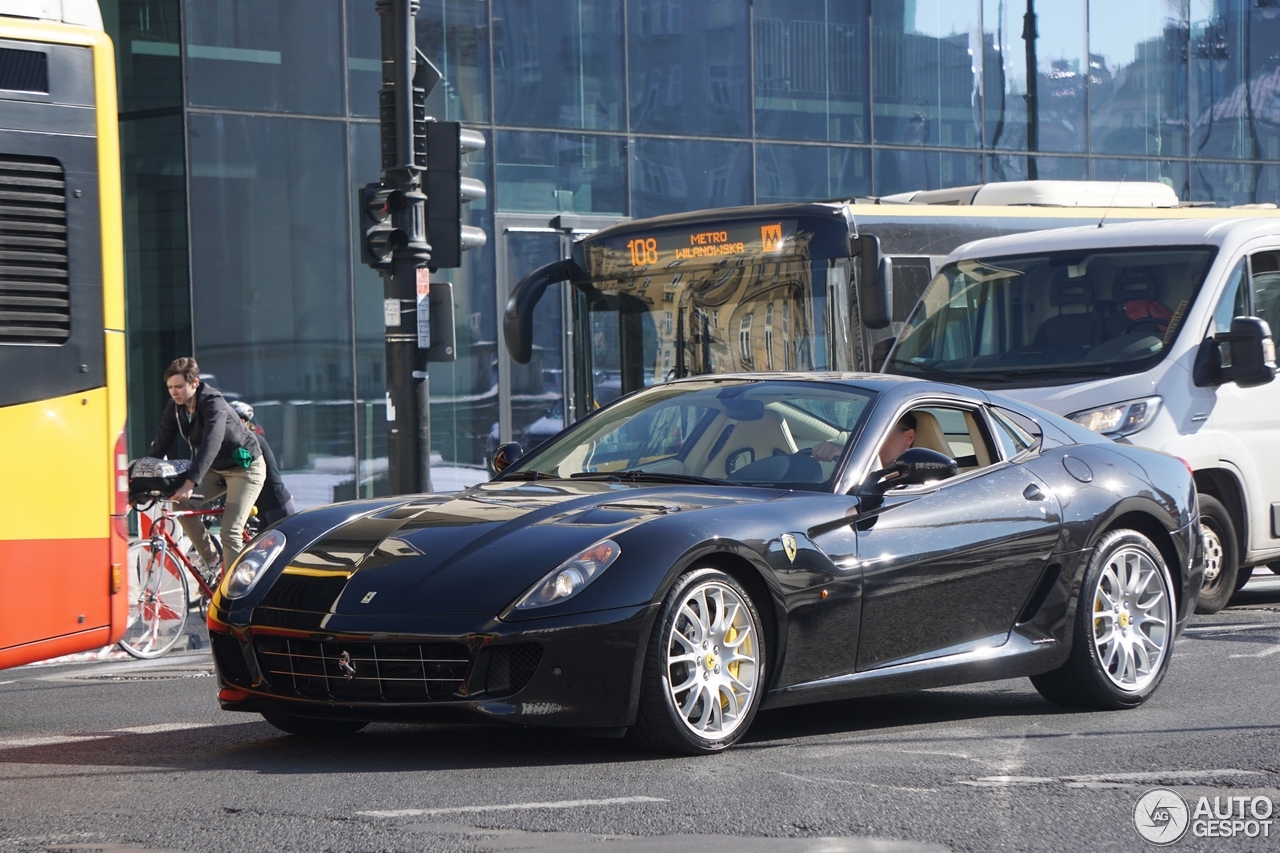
(1221, 556)
(1124, 628)
(704, 669)
(313, 726)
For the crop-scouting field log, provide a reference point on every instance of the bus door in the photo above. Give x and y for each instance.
(534, 397)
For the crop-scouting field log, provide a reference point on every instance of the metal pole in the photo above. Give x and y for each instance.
(408, 418)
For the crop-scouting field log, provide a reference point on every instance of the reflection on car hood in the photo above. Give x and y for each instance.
(472, 552)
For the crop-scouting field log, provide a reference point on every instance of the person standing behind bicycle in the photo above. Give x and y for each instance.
(224, 450)
(275, 502)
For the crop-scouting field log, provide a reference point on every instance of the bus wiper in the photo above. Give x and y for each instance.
(636, 474)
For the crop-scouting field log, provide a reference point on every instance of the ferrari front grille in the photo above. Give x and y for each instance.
(363, 672)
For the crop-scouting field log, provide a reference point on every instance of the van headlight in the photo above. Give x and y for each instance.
(252, 564)
(1121, 418)
(571, 576)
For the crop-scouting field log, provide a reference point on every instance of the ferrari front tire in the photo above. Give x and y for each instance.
(1124, 628)
(313, 726)
(703, 676)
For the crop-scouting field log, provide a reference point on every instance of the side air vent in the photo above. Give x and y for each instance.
(24, 70)
(35, 299)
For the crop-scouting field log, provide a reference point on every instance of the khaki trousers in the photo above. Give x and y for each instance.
(242, 488)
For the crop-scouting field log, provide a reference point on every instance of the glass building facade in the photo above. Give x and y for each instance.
(248, 126)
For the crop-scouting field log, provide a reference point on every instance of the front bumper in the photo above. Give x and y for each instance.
(580, 671)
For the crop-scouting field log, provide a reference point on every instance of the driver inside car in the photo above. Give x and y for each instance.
(899, 439)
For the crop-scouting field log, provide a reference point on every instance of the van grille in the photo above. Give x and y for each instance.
(395, 672)
(35, 299)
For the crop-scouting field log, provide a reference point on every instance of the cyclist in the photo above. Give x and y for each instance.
(274, 501)
(227, 458)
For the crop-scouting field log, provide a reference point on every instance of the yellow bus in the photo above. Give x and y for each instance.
(63, 494)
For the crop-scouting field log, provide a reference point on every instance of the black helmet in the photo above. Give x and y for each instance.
(243, 409)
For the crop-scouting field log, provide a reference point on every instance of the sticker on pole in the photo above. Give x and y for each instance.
(424, 308)
(391, 313)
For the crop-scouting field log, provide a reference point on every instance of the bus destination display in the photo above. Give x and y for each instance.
(704, 242)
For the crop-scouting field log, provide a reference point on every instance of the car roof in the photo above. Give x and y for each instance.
(1215, 232)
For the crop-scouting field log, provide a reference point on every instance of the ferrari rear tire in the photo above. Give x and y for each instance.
(1221, 555)
(313, 726)
(1243, 576)
(1124, 627)
(704, 670)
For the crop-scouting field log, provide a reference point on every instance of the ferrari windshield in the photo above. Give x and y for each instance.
(1051, 318)
(747, 432)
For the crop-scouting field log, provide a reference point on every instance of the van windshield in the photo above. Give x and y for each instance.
(1051, 318)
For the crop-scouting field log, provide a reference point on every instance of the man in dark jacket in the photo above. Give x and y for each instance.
(274, 501)
(224, 451)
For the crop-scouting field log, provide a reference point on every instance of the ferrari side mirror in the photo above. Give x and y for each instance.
(917, 465)
(505, 455)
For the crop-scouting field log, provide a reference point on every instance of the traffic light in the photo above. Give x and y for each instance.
(381, 237)
(448, 142)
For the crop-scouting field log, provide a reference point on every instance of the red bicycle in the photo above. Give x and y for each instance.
(160, 594)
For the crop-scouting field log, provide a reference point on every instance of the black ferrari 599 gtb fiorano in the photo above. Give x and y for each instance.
(705, 548)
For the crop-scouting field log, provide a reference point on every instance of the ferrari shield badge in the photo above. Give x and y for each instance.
(789, 545)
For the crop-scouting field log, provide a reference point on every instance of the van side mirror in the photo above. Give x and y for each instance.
(505, 455)
(1246, 355)
(875, 284)
(917, 465)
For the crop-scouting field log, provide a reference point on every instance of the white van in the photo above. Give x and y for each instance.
(1155, 333)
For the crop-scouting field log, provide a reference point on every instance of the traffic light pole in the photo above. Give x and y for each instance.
(403, 121)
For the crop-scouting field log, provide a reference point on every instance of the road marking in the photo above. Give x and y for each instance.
(7, 682)
(857, 782)
(1262, 654)
(1229, 628)
(513, 807)
(156, 728)
(1106, 780)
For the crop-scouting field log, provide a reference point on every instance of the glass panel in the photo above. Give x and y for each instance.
(689, 66)
(1171, 172)
(537, 388)
(154, 189)
(1226, 184)
(454, 35)
(1138, 77)
(1233, 41)
(811, 70)
(807, 173)
(1057, 52)
(561, 63)
(1234, 301)
(271, 281)
(561, 173)
(899, 171)
(277, 55)
(673, 176)
(925, 71)
(364, 58)
(1014, 167)
(1264, 269)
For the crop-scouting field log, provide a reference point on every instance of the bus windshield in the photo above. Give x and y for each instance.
(738, 315)
(1051, 318)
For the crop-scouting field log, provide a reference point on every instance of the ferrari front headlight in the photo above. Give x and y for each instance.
(252, 564)
(1120, 419)
(571, 576)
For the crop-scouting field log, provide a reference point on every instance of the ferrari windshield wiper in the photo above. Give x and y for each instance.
(636, 474)
(530, 475)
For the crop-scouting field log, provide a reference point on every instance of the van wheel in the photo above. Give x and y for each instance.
(1221, 555)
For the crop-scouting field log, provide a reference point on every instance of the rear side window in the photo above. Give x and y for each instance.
(1012, 438)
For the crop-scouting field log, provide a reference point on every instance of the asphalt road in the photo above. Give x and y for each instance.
(135, 756)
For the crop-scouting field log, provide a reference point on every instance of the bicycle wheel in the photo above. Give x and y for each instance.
(157, 601)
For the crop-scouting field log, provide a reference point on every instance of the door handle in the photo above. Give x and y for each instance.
(1033, 493)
